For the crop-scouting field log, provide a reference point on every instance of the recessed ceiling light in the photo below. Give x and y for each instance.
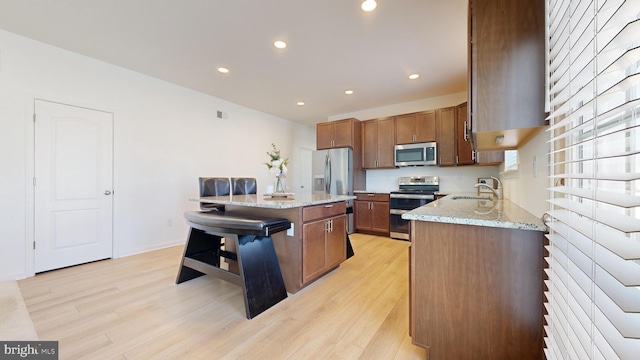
(348, 92)
(300, 103)
(280, 44)
(223, 70)
(369, 5)
(414, 76)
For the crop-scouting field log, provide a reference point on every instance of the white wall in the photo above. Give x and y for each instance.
(528, 187)
(405, 108)
(452, 179)
(165, 136)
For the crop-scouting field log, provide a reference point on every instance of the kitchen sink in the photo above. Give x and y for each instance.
(466, 197)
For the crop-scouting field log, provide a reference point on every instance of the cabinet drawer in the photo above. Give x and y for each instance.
(372, 197)
(311, 213)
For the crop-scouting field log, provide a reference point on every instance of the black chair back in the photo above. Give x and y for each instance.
(213, 186)
(243, 186)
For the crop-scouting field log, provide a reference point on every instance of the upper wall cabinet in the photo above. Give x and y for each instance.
(465, 155)
(336, 134)
(416, 128)
(378, 138)
(507, 71)
(464, 150)
(446, 126)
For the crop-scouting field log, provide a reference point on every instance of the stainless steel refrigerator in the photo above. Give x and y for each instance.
(333, 174)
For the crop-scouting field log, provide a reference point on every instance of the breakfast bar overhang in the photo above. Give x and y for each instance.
(316, 242)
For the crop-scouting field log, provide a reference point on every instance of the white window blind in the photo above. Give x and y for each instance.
(593, 287)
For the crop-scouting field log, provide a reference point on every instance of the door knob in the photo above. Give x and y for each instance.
(107, 192)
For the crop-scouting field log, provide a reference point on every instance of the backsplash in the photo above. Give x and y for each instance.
(527, 186)
(452, 179)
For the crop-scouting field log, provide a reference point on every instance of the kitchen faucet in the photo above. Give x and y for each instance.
(497, 192)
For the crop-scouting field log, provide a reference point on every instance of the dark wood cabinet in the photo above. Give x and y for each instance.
(313, 249)
(476, 292)
(371, 213)
(335, 242)
(446, 135)
(378, 141)
(454, 142)
(506, 70)
(324, 245)
(464, 148)
(336, 134)
(416, 127)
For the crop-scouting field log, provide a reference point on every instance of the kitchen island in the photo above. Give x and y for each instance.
(476, 279)
(315, 244)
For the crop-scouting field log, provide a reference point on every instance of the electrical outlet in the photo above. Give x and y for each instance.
(169, 223)
(535, 166)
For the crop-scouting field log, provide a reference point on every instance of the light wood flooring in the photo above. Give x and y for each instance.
(131, 308)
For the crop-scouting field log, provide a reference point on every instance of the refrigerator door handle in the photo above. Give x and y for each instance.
(326, 174)
(329, 172)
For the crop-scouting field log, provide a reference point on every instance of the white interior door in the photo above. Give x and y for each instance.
(73, 185)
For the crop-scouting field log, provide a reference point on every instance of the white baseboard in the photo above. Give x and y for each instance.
(151, 248)
(13, 277)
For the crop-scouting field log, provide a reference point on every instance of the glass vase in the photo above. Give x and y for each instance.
(280, 185)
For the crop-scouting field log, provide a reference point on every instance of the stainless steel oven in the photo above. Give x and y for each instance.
(414, 191)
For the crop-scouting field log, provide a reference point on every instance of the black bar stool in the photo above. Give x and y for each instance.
(259, 271)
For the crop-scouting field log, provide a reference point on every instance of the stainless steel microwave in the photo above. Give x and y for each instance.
(416, 154)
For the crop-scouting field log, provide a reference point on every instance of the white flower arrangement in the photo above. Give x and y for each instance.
(276, 165)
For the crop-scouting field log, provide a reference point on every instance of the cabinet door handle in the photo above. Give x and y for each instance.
(371, 195)
(457, 161)
(329, 206)
(466, 138)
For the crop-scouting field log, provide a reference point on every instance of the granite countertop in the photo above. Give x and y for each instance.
(261, 201)
(371, 192)
(467, 209)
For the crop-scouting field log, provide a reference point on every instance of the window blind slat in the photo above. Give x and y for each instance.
(626, 298)
(626, 272)
(619, 243)
(579, 223)
(625, 224)
(627, 324)
(622, 200)
(607, 176)
(625, 348)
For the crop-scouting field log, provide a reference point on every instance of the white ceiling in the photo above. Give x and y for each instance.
(333, 46)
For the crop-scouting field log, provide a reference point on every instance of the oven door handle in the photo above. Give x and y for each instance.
(397, 212)
(411, 196)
